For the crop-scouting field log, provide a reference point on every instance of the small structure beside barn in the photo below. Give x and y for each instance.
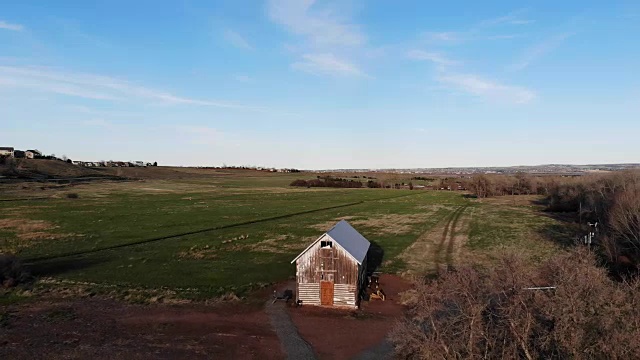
(332, 271)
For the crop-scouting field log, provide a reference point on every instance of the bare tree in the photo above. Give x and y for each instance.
(500, 313)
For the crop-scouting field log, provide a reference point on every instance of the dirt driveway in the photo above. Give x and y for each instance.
(97, 328)
(108, 329)
(344, 334)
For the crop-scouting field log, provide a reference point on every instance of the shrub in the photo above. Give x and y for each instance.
(299, 182)
(373, 184)
(72, 195)
(12, 272)
(327, 182)
(473, 312)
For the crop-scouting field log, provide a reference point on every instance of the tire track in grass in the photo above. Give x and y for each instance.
(421, 256)
(447, 238)
(452, 236)
(200, 231)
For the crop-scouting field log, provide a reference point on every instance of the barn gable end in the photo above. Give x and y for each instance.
(332, 267)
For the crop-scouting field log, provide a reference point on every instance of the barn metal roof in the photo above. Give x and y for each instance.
(349, 238)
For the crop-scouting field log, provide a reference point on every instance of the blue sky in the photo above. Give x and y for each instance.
(323, 84)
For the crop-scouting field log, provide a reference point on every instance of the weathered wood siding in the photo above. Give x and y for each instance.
(333, 264)
(344, 295)
(327, 264)
(309, 293)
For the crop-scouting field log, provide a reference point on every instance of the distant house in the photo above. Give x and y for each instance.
(6, 151)
(32, 154)
(76, 162)
(332, 270)
(140, 163)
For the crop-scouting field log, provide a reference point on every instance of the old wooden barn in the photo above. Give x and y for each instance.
(332, 270)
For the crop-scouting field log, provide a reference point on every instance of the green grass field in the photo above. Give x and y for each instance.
(206, 237)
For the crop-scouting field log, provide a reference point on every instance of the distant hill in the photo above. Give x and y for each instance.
(38, 169)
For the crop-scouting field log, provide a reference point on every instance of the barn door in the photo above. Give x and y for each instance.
(326, 293)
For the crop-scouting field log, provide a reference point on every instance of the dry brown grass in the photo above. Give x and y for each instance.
(439, 247)
(382, 224)
(393, 223)
(327, 225)
(280, 244)
(514, 200)
(30, 232)
(198, 253)
(25, 225)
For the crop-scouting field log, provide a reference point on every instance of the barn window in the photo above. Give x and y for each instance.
(326, 244)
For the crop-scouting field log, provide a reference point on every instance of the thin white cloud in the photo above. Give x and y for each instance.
(504, 37)
(236, 40)
(487, 89)
(511, 19)
(521, 22)
(434, 57)
(330, 43)
(242, 78)
(9, 26)
(321, 27)
(96, 87)
(327, 64)
(538, 50)
(444, 36)
(476, 31)
(98, 123)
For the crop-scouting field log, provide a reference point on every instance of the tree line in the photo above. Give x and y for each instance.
(612, 200)
(327, 182)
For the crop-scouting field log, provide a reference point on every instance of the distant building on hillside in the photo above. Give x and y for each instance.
(6, 151)
(32, 154)
(18, 154)
(332, 271)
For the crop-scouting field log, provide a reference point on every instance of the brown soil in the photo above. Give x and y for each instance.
(107, 329)
(343, 334)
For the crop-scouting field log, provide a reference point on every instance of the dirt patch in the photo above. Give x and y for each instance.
(343, 334)
(198, 253)
(105, 329)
